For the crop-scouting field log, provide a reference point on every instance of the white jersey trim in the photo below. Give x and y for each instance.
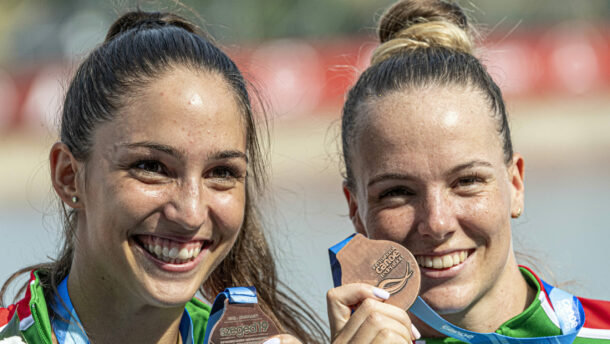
(594, 333)
(25, 323)
(548, 309)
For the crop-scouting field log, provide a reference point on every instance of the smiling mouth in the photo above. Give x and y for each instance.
(170, 251)
(442, 262)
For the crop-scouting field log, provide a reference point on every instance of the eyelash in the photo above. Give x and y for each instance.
(138, 165)
(150, 168)
(396, 191)
(233, 173)
(471, 179)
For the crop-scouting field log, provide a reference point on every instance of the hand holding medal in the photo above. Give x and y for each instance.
(380, 263)
(358, 312)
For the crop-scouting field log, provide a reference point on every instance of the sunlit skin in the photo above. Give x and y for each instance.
(171, 164)
(430, 173)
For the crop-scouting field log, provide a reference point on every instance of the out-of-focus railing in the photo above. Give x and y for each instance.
(307, 78)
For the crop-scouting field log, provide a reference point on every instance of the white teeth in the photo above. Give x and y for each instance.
(173, 253)
(442, 262)
(447, 261)
(456, 259)
(183, 254)
(428, 262)
(437, 263)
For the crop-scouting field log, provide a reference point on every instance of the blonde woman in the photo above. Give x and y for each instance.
(430, 165)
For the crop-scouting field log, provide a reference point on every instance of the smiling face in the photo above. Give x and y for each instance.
(429, 173)
(163, 191)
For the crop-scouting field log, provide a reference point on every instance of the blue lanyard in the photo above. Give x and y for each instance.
(69, 330)
(235, 295)
(568, 309)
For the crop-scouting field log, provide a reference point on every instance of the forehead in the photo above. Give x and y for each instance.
(430, 114)
(433, 127)
(181, 107)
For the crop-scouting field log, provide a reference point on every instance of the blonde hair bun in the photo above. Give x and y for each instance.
(414, 24)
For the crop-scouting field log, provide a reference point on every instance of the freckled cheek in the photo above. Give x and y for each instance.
(390, 224)
(228, 210)
(136, 202)
(484, 214)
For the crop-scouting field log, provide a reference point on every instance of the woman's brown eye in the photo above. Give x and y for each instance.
(396, 192)
(223, 173)
(469, 180)
(150, 166)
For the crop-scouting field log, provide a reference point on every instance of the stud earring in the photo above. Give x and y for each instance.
(517, 214)
(74, 199)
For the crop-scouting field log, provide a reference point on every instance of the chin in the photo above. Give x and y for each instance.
(168, 296)
(161, 291)
(448, 300)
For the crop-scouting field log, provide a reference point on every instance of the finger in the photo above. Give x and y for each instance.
(378, 326)
(371, 317)
(340, 299)
(389, 337)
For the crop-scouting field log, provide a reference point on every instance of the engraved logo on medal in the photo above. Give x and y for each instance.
(389, 262)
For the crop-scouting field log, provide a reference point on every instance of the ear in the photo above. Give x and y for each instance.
(516, 175)
(352, 203)
(64, 169)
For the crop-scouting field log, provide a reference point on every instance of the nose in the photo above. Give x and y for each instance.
(437, 216)
(187, 206)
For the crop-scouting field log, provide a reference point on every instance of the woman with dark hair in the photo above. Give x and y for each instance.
(159, 164)
(430, 165)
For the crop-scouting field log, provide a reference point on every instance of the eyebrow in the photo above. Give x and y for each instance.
(471, 164)
(389, 176)
(404, 176)
(180, 154)
(230, 154)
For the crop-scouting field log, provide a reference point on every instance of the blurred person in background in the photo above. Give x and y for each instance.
(430, 165)
(158, 166)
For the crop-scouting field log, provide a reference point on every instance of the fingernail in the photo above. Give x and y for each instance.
(415, 332)
(380, 293)
(272, 341)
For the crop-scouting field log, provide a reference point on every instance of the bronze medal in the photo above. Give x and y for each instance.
(381, 263)
(242, 323)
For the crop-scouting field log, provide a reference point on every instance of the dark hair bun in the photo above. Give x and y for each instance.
(408, 12)
(149, 20)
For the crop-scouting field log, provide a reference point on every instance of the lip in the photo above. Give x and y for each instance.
(169, 267)
(448, 272)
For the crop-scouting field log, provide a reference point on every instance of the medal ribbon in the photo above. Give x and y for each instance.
(567, 307)
(69, 330)
(235, 295)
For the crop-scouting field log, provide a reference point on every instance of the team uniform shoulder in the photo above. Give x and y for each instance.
(597, 319)
(18, 313)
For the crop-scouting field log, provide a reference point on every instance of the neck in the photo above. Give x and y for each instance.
(511, 294)
(110, 315)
